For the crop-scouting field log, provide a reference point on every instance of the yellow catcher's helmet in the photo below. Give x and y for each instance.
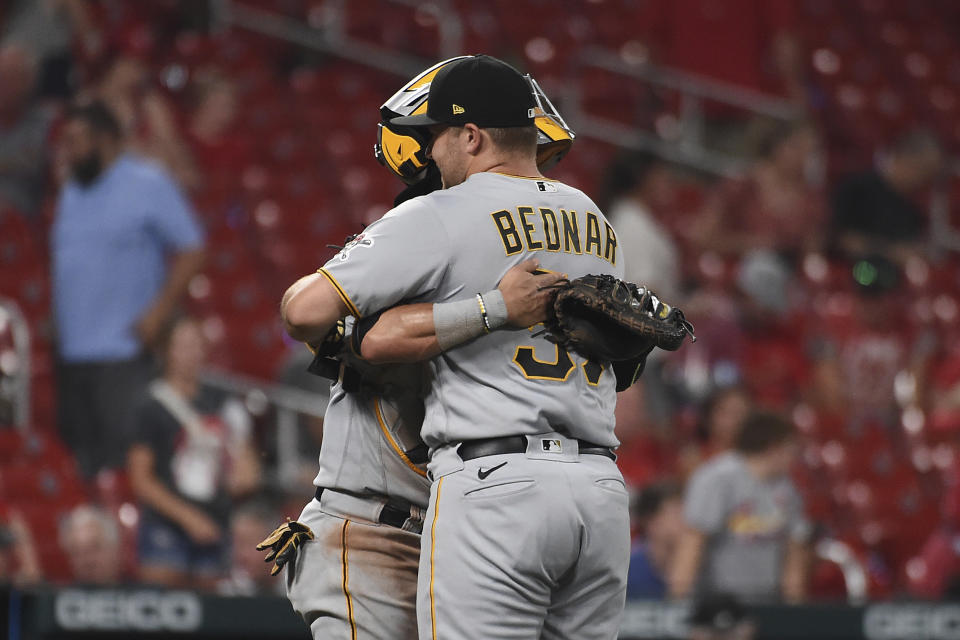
(401, 148)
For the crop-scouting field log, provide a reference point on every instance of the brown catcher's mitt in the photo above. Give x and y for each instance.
(609, 320)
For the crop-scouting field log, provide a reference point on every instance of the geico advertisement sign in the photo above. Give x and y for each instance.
(655, 620)
(911, 622)
(133, 610)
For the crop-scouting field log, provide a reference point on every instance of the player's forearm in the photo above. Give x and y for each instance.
(402, 334)
(417, 332)
(413, 333)
(310, 308)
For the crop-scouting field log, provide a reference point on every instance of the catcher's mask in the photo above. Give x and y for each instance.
(401, 148)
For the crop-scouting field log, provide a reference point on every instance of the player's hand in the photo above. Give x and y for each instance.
(528, 301)
(202, 529)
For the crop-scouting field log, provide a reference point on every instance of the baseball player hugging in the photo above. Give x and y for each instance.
(526, 529)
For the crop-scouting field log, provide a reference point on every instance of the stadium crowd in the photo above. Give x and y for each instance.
(162, 180)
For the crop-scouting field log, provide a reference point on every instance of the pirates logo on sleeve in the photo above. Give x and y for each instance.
(359, 240)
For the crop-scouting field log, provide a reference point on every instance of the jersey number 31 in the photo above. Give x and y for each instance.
(559, 370)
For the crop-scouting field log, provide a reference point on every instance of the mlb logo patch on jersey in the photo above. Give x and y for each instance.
(551, 446)
(547, 187)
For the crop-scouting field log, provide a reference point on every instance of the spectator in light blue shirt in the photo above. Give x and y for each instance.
(125, 245)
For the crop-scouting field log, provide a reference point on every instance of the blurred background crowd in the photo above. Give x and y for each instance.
(781, 169)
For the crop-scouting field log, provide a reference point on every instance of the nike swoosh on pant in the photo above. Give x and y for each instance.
(483, 474)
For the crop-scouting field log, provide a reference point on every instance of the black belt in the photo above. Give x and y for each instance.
(389, 515)
(518, 444)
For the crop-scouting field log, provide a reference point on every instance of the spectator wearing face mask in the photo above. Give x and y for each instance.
(125, 245)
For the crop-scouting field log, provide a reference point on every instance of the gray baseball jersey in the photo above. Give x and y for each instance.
(452, 244)
(358, 578)
(747, 522)
(371, 436)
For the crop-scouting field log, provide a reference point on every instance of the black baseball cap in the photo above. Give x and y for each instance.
(479, 89)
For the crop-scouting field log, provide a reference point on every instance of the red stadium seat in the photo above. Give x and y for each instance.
(11, 442)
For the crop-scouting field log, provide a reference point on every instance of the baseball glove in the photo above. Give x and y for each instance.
(609, 320)
(283, 543)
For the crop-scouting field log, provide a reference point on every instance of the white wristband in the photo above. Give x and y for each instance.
(456, 322)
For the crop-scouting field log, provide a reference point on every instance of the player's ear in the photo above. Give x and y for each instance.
(472, 139)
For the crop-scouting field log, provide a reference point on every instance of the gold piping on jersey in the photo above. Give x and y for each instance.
(587, 373)
(346, 574)
(530, 353)
(433, 551)
(341, 292)
(511, 175)
(393, 443)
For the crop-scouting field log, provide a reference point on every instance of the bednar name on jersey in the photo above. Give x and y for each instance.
(543, 229)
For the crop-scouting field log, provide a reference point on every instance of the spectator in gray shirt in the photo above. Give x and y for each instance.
(746, 533)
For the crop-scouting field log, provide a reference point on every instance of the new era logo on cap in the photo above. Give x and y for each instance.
(457, 110)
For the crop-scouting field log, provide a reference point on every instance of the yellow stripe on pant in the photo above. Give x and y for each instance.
(346, 576)
(433, 548)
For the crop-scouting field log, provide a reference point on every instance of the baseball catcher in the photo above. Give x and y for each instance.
(350, 561)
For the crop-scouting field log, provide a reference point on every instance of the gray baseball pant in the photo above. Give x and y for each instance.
(536, 549)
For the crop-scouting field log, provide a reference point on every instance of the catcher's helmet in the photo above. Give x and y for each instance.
(401, 148)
